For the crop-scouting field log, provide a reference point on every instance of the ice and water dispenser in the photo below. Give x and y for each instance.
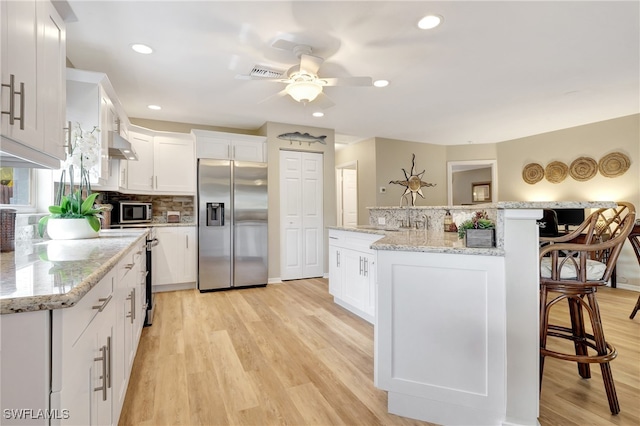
(215, 214)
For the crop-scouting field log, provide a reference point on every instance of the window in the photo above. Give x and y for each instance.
(15, 186)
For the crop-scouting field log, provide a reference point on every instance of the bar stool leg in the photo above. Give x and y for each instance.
(601, 347)
(577, 327)
(544, 322)
(635, 309)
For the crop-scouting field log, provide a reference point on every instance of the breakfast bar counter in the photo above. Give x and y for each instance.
(456, 329)
(53, 274)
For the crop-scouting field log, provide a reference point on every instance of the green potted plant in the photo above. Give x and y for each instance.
(479, 231)
(73, 216)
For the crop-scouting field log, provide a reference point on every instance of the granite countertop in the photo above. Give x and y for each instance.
(513, 205)
(420, 240)
(48, 274)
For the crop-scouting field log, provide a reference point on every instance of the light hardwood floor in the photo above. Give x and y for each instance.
(286, 354)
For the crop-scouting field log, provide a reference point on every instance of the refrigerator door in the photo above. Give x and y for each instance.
(250, 223)
(214, 224)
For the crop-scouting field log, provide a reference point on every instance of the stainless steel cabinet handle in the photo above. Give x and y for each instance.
(103, 358)
(12, 101)
(338, 259)
(366, 267)
(360, 257)
(156, 182)
(109, 362)
(104, 301)
(132, 298)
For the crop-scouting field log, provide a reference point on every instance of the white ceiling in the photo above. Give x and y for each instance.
(493, 71)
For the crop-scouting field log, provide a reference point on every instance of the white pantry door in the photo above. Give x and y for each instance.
(301, 220)
(349, 197)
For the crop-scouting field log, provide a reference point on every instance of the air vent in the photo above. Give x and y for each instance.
(266, 72)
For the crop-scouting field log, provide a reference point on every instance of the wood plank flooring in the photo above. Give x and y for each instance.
(287, 355)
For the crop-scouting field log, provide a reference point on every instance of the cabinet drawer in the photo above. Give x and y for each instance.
(76, 319)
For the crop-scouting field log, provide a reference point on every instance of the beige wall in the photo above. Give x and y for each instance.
(364, 153)
(173, 126)
(274, 145)
(394, 155)
(593, 140)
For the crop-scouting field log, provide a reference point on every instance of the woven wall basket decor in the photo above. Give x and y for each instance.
(583, 168)
(532, 173)
(556, 172)
(614, 164)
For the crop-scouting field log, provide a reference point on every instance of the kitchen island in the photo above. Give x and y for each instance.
(456, 328)
(72, 314)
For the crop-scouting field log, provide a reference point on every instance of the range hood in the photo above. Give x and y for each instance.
(120, 148)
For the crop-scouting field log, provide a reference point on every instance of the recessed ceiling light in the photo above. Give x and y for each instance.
(318, 114)
(142, 48)
(154, 107)
(381, 83)
(429, 22)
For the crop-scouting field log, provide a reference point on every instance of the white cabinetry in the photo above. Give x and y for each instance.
(33, 81)
(230, 146)
(352, 271)
(174, 258)
(130, 296)
(166, 163)
(82, 356)
(89, 106)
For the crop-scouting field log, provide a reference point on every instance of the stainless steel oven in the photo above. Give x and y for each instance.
(129, 212)
(152, 241)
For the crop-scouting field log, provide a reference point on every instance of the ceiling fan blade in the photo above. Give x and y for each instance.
(323, 101)
(310, 64)
(284, 44)
(280, 94)
(348, 81)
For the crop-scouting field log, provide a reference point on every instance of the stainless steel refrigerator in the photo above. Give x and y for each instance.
(232, 224)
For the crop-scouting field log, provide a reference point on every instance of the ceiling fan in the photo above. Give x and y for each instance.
(302, 80)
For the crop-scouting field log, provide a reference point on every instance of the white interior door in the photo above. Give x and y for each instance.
(349, 197)
(301, 219)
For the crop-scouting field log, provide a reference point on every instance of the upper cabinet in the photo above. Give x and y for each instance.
(89, 106)
(230, 146)
(166, 163)
(33, 82)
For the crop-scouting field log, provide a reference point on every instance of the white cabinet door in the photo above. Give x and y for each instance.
(52, 79)
(174, 164)
(190, 253)
(19, 59)
(140, 173)
(174, 258)
(32, 73)
(166, 260)
(335, 271)
(247, 150)
(356, 290)
(230, 146)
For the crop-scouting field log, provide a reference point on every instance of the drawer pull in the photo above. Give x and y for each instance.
(103, 358)
(104, 301)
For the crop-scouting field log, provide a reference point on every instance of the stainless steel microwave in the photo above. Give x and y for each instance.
(131, 212)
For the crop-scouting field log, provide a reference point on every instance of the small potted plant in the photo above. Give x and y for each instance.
(479, 231)
(73, 215)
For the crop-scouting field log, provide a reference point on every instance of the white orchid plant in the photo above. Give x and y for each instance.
(82, 157)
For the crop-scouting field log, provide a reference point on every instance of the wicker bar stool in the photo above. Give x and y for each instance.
(573, 272)
(634, 238)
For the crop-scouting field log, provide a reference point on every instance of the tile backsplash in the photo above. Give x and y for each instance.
(161, 204)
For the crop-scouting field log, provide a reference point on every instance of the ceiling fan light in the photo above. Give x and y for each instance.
(429, 22)
(304, 91)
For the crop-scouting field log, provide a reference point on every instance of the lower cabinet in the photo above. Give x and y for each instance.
(174, 258)
(94, 344)
(352, 271)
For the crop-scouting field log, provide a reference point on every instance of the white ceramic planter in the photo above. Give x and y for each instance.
(70, 229)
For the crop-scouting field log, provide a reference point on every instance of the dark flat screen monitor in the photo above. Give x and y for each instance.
(570, 217)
